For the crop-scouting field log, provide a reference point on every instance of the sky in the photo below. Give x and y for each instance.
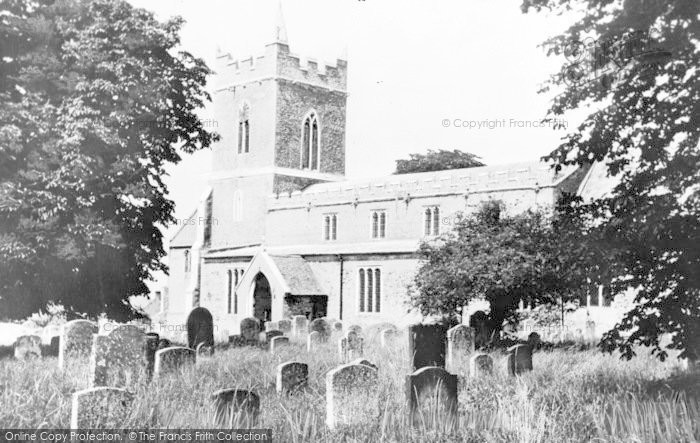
(422, 74)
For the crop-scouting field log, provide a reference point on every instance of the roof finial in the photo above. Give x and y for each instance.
(280, 27)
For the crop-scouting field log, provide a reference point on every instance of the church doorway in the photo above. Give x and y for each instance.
(262, 300)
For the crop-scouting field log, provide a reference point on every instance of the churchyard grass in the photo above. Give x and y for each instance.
(570, 396)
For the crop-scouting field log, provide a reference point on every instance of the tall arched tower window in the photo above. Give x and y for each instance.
(244, 128)
(310, 152)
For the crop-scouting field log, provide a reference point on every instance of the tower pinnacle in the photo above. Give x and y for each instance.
(280, 35)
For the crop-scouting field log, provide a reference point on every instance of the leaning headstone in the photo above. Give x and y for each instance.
(519, 359)
(200, 328)
(480, 365)
(300, 325)
(277, 342)
(426, 345)
(172, 359)
(100, 408)
(76, 340)
(285, 325)
(313, 340)
(460, 343)
(432, 397)
(387, 338)
(321, 326)
(350, 346)
(269, 335)
(236, 407)
(150, 348)
(272, 326)
(292, 376)
(250, 327)
(351, 392)
(363, 361)
(27, 346)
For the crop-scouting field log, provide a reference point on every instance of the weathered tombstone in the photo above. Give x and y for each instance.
(99, 361)
(272, 326)
(150, 348)
(321, 326)
(300, 325)
(362, 361)
(200, 328)
(387, 338)
(163, 343)
(357, 329)
(519, 359)
(117, 359)
(350, 346)
(172, 359)
(250, 328)
(292, 376)
(278, 342)
(426, 345)
(337, 326)
(236, 407)
(460, 343)
(480, 322)
(285, 325)
(313, 340)
(590, 330)
(27, 346)
(534, 340)
(432, 397)
(54, 345)
(204, 350)
(480, 365)
(100, 408)
(76, 340)
(269, 335)
(351, 396)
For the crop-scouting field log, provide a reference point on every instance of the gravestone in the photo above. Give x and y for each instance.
(200, 328)
(337, 326)
(480, 322)
(518, 359)
(351, 396)
(76, 340)
(172, 359)
(150, 348)
(272, 326)
(534, 340)
(313, 340)
(236, 407)
(100, 408)
(460, 343)
(300, 325)
(164, 343)
(204, 350)
(357, 329)
(426, 345)
(27, 347)
(54, 344)
(350, 346)
(292, 376)
(277, 342)
(117, 358)
(269, 335)
(285, 325)
(362, 361)
(250, 328)
(431, 393)
(480, 365)
(321, 326)
(388, 337)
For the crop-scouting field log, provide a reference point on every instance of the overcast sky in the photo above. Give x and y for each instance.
(411, 65)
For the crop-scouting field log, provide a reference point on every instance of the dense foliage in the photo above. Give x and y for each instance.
(501, 258)
(636, 62)
(437, 161)
(95, 99)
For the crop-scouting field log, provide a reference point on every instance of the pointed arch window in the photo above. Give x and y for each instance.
(431, 221)
(370, 289)
(310, 152)
(244, 128)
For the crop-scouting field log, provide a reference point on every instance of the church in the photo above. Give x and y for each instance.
(281, 231)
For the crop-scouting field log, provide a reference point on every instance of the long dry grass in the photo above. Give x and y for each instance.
(570, 396)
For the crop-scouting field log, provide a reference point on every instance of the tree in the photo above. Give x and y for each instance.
(437, 161)
(96, 97)
(638, 62)
(502, 259)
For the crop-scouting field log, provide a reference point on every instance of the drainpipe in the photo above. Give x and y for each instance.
(340, 259)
